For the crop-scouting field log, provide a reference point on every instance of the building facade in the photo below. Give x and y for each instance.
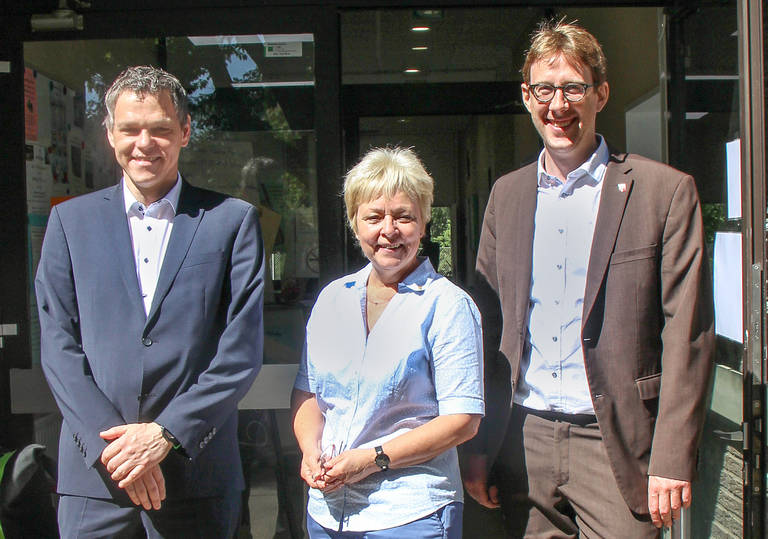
(286, 94)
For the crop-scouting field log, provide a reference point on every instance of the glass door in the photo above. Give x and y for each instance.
(716, 133)
(264, 129)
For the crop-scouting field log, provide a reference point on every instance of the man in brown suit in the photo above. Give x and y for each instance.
(598, 319)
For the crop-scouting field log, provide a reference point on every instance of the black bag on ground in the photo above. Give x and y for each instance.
(27, 491)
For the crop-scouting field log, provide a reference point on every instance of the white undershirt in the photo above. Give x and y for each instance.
(150, 231)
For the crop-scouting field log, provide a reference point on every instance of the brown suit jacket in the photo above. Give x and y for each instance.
(647, 328)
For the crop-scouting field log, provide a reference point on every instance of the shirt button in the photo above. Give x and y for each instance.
(149, 228)
(554, 339)
(146, 260)
(559, 266)
(554, 375)
(560, 230)
(557, 302)
(146, 341)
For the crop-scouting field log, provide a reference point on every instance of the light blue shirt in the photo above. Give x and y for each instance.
(422, 359)
(553, 376)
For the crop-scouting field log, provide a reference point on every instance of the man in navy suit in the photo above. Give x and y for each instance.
(150, 296)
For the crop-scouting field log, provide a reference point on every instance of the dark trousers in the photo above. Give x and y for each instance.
(204, 518)
(555, 481)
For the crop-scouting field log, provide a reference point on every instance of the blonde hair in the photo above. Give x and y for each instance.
(554, 38)
(385, 172)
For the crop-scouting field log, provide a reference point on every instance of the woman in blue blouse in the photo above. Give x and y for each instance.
(391, 379)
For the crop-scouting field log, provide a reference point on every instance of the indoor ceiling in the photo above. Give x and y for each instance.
(462, 45)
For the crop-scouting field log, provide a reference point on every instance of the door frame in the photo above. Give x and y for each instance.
(753, 149)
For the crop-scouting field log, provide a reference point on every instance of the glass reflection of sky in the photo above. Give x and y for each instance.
(241, 67)
(203, 86)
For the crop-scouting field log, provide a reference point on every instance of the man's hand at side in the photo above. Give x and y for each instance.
(474, 472)
(665, 498)
(132, 450)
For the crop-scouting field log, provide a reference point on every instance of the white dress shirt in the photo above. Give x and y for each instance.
(150, 231)
(553, 376)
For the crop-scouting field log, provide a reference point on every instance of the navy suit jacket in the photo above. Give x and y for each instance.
(185, 365)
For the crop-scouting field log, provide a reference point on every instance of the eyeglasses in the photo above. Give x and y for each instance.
(573, 92)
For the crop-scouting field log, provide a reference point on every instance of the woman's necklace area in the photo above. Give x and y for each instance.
(383, 299)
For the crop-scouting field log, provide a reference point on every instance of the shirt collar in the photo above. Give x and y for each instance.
(416, 281)
(172, 196)
(594, 166)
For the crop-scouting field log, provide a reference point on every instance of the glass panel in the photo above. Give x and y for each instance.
(252, 105)
(709, 149)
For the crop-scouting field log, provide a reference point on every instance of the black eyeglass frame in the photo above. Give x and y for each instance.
(555, 87)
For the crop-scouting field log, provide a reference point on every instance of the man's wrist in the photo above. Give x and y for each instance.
(170, 438)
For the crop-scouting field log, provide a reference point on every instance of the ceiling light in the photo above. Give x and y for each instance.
(420, 48)
(420, 29)
(428, 13)
(412, 70)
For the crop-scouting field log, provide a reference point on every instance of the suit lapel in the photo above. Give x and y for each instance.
(118, 235)
(617, 186)
(522, 245)
(188, 216)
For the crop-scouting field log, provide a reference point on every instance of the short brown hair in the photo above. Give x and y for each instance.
(556, 37)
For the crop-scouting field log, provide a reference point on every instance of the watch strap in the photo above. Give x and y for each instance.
(170, 437)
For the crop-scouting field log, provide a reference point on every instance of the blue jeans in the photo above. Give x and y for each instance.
(445, 523)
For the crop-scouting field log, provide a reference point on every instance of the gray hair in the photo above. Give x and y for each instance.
(385, 172)
(146, 80)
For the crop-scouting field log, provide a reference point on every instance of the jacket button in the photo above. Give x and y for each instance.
(146, 341)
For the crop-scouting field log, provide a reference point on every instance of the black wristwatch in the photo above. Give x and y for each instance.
(170, 437)
(381, 460)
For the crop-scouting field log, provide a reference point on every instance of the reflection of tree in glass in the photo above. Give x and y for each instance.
(296, 193)
(441, 234)
(713, 215)
(207, 72)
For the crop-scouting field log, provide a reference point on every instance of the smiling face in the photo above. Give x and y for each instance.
(389, 231)
(567, 129)
(147, 138)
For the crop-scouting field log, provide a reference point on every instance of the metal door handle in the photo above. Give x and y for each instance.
(731, 436)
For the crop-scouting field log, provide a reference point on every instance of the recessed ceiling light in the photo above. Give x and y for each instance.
(412, 70)
(420, 48)
(420, 29)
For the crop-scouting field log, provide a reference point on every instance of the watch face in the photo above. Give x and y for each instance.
(382, 461)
